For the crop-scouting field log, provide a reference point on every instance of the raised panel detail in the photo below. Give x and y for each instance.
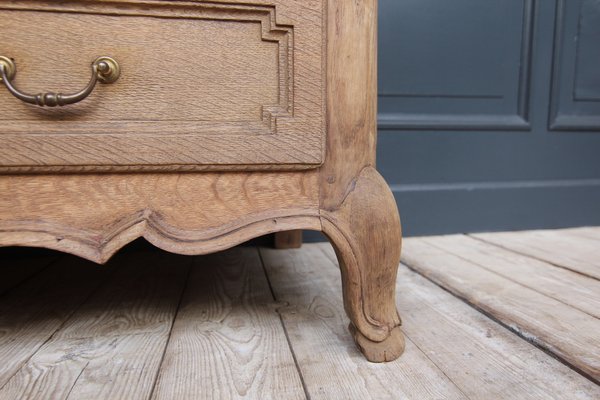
(576, 80)
(462, 64)
(204, 85)
(587, 78)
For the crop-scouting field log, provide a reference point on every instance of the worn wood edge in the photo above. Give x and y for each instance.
(565, 286)
(388, 350)
(99, 247)
(564, 252)
(575, 352)
(588, 232)
(94, 169)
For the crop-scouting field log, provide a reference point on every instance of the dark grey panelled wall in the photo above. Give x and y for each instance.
(490, 113)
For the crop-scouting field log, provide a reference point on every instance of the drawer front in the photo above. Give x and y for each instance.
(231, 84)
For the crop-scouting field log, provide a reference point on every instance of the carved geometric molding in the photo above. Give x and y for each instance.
(423, 106)
(221, 81)
(263, 15)
(575, 99)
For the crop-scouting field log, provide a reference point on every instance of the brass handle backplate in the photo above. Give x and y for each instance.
(104, 69)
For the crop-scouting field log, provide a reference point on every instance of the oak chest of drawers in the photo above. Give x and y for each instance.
(199, 125)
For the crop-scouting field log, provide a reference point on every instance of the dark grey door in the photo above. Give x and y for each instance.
(489, 113)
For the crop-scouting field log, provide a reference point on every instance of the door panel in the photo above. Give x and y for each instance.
(576, 79)
(442, 69)
(472, 96)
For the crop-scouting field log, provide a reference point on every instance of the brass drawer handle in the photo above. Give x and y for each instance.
(104, 69)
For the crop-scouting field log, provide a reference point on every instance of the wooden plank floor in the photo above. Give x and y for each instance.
(489, 316)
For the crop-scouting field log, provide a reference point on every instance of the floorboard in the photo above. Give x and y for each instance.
(485, 360)
(577, 253)
(32, 312)
(451, 345)
(572, 289)
(589, 232)
(488, 316)
(228, 341)
(568, 333)
(112, 346)
(332, 368)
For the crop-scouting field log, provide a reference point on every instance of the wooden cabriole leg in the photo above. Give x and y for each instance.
(365, 232)
(357, 209)
(288, 239)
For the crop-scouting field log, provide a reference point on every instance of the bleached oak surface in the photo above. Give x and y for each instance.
(269, 324)
(249, 117)
(233, 84)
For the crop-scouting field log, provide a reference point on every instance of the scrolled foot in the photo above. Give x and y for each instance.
(378, 352)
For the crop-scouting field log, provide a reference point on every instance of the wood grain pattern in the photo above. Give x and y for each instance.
(89, 368)
(112, 347)
(202, 84)
(308, 282)
(537, 317)
(327, 115)
(358, 211)
(365, 232)
(227, 340)
(228, 331)
(351, 97)
(141, 297)
(31, 313)
(452, 350)
(482, 358)
(578, 254)
(570, 288)
(95, 215)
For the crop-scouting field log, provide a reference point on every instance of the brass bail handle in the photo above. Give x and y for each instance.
(104, 69)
